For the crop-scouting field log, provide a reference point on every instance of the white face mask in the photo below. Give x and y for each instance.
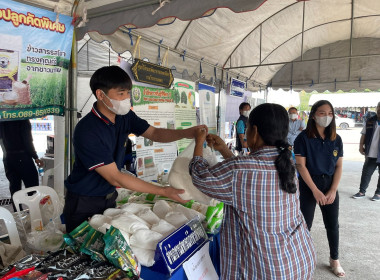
(293, 116)
(323, 121)
(245, 114)
(120, 107)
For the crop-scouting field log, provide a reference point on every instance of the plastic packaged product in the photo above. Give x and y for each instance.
(112, 212)
(145, 257)
(163, 227)
(129, 223)
(93, 245)
(120, 254)
(103, 271)
(123, 194)
(148, 216)
(161, 208)
(176, 219)
(145, 239)
(100, 223)
(188, 212)
(134, 208)
(179, 176)
(76, 238)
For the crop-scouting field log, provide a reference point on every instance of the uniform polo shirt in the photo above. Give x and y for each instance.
(97, 142)
(321, 155)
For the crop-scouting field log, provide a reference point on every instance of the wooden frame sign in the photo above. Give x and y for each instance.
(150, 73)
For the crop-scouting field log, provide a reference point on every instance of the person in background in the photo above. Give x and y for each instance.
(369, 147)
(19, 155)
(241, 126)
(295, 125)
(263, 235)
(319, 156)
(99, 146)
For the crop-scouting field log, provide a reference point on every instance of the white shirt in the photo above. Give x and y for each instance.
(294, 130)
(374, 148)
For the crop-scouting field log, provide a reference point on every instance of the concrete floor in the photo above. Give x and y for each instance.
(359, 220)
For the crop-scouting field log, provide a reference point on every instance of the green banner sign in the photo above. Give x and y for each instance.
(35, 49)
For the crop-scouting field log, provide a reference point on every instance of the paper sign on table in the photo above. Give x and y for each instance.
(199, 266)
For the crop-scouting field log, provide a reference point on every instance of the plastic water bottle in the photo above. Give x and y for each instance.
(165, 177)
(41, 171)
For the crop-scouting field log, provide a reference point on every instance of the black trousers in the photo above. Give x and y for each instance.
(330, 213)
(79, 208)
(20, 167)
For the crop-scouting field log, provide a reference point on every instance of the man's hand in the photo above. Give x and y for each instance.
(39, 162)
(173, 193)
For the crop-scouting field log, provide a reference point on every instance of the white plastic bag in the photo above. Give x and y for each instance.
(145, 239)
(148, 216)
(163, 227)
(179, 176)
(177, 219)
(129, 222)
(161, 208)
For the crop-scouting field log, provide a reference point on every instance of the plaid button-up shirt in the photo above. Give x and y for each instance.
(263, 235)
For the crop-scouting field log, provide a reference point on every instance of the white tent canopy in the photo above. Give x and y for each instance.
(346, 100)
(252, 39)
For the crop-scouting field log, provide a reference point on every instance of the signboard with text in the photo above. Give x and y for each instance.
(150, 73)
(35, 49)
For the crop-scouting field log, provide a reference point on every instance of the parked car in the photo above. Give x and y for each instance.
(344, 123)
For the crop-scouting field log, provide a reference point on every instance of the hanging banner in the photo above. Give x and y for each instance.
(35, 49)
(156, 106)
(237, 88)
(185, 114)
(207, 109)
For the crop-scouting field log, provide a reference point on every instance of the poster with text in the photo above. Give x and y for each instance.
(207, 109)
(185, 113)
(35, 49)
(156, 106)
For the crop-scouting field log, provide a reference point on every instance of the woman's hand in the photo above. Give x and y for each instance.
(200, 135)
(216, 142)
(320, 197)
(330, 196)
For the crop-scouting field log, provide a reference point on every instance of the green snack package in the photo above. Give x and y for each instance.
(76, 238)
(120, 254)
(93, 245)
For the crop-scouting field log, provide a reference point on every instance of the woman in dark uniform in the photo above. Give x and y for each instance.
(319, 156)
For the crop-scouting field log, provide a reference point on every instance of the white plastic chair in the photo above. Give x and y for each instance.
(10, 225)
(33, 202)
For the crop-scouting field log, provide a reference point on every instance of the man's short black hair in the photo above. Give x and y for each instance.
(109, 77)
(242, 105)
(292, 108)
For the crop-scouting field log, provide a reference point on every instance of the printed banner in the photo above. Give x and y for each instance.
(237, 88)
(185, 113)
(35, 49)
(156, 106)
(207, 107)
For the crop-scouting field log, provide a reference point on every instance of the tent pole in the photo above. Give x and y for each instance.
(70, 116)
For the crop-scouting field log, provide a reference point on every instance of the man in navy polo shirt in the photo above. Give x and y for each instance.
(99, 145)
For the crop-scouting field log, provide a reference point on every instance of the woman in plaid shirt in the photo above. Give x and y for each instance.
(264, 235)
